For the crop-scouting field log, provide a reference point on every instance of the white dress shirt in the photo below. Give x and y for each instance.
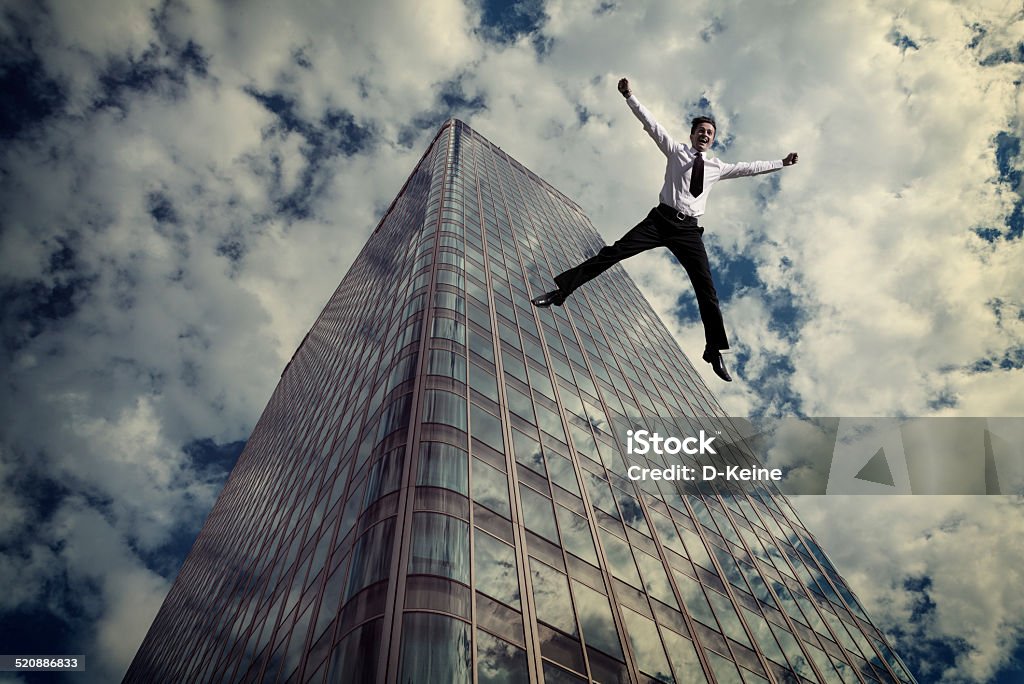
(676, 191)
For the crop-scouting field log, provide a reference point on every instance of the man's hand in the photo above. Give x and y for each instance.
(624, 87)
(790, 159)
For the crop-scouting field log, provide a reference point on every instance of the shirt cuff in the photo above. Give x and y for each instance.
(632, 100)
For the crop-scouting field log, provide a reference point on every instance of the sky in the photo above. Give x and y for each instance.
(183, 185)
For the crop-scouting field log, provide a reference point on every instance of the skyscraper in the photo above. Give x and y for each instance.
(435, 492)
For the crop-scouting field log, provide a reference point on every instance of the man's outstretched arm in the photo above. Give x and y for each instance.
(660, 136)
(740, 169)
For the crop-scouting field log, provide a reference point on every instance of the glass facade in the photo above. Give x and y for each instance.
(434, 494)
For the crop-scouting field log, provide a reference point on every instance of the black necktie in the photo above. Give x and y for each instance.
(697, 176)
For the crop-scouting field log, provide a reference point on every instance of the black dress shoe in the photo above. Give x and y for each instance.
(553, 298)
(714, 357)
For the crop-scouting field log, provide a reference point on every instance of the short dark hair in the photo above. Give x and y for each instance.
(702, 119)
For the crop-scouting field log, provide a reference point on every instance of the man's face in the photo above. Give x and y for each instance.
(702, 137)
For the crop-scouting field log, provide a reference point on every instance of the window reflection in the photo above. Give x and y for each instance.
(793, 652)
(444, 407)
(527, 451)
(562, 473)
(487, 428)
(763, 635)
(620, 558)
(519, 403)
(693, 596)
(655, 579)
(728, 618)
(600, 494)
(556, 675)
(725, 670)
(684, 658)
(499, 662)
(643, 637)
(537, 514)
(481, 345)
(449, 329)
(490, 488)
(549, 421)
(385, 476)
(435, 648)
(551, 595)
(443, 465)
(440, 546)
(447, 363)
(595, 615)
(576, 535)
(371, 557)
(483, 382)
(355, 657)
(495, 569)
(698, 552)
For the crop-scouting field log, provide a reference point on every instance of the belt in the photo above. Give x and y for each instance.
(676, 214)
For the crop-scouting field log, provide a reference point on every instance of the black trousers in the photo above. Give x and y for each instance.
(662, 227)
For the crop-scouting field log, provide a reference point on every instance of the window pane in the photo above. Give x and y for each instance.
(481, 345)
(385, 476)
(667, 533)
(499, 662)
(727, 617)
(443, 465)
(693, 597)
(551, 594)
(519, 403)
(725, 670)
(447, 363)
(356, 655)
(395, 416)
(556, 675)
(440, 546)
(487, 428)
(483, 382)
(550, 422)
(684, 658)
(698, 552)
(450, 300)
(435, 648)
(763, 636)
(371, 557)
(600, 493)
(620, 558)
(650, 655)
(655, 579)
(576, 535)
(793, 652)
(537, 514)
(490, 488)
(444, 407)
(562, 474)
(596, 619)
(527, 450)
(496, 569)
(449, 329)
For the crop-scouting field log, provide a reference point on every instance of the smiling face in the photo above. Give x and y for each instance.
(702, 136)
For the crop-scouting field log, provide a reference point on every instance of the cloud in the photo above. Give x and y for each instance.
(939, 573)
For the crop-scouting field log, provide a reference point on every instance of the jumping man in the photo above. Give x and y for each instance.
(689, 176)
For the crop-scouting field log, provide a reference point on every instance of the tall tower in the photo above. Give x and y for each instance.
(434, 492)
